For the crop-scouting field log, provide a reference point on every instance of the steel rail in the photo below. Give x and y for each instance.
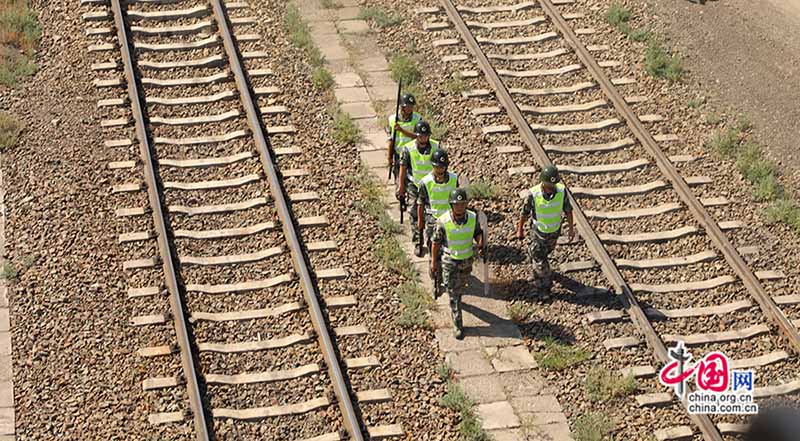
(612, 273)
(667, 168)
(298, 259)
(165, 251)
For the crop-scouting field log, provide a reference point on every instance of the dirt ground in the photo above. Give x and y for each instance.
(747, 56)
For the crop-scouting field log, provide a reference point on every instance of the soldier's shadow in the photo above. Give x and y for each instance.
(496, 326)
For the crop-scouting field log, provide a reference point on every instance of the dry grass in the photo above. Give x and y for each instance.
(18, 26)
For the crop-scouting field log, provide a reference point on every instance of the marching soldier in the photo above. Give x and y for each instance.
(434, 190)
(415, 165)
(545, 204)
(453, 237)
(404, 127)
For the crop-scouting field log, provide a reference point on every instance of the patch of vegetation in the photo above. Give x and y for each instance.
(759, 171)
(519, 312)
(416, 304)
(713, 118)
(20, 34)
(381, 18)
(372, 201)
(391, 254)
(558, 356)
(660, 64)
(604, 385)
(456, 84)
(593, 427)
(19, 27)
(733, 143)
(639, 35)
(14, 66)
(10, 129)
(694, 103)
(300, 35)
(724, 142)
(8, 272)
(618, 14)
(785, 211)
(322, 78)
(470, 426)
(480, 190)
(330, 4)
(404, 69)
(743, 123)
(444, 371)
(345, 131)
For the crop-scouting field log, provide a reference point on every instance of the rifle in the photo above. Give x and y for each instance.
(437, 277)
(484, 260)
(403, 206)
(421, 228)
(393, 152)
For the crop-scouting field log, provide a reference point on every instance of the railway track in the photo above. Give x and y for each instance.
(544, 95)
(235, 333)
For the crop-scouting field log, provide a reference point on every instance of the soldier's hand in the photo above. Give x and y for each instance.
(400, 196)
(520, 235)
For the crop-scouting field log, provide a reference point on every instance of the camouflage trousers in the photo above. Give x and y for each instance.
(454, 277)
(430, 223)
(538, 250)
(411, 207)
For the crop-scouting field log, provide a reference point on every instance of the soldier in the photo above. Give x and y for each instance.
(545, 204)
(434, 190)
(405, 129)
(415, 165)
(453, 236)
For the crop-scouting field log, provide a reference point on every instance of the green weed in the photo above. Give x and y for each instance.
(660, 64)
(14, 66)
(456, 84)
(519, 312)
(19, 27)
(10, 129)
(480, 190)
(456, 399)
(391, 254)
(603, 385)
(618, 14)
(300, 35)
(724, 142)
(330, 4)
(322, 78)
(593, 427)
(404, 69)
(785, 211)
(444, 371)
(558, 356)
(8, 271)
(345, 131)
(381, 18)
(416, 303)
(638, 35)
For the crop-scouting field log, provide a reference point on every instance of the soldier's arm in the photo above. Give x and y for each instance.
(525, 212)
(478, 236)
(389, 143)
(404, 163)
(422, 203)
(436, 243)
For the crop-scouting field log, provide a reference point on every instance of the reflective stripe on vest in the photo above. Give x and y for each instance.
(439, 194)
(459, 237)
(548, 213)
(421, 164)
(406, 125)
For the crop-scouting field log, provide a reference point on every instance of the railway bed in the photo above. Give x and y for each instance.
(229, 259)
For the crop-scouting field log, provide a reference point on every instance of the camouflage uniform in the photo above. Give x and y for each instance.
(430, 222)
(412, 191)
(454, 272)
(540, 246)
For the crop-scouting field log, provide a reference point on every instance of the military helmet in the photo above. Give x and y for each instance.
(549, 174)
(458, 195)
(408, 100)
(439, 159)
(422, 128)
